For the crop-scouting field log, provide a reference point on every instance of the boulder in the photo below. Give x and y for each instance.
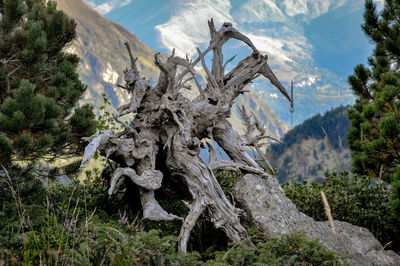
(269, 210)
(63, 180)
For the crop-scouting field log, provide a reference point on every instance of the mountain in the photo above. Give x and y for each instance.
(310, 149)
(316, 43)
(99, 44)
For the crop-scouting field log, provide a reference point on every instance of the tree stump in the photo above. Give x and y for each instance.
(165, 124)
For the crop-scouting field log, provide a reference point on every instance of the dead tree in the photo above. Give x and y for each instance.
(165, 124)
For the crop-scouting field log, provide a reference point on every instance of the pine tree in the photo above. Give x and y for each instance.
(374, 135)
(39, 85)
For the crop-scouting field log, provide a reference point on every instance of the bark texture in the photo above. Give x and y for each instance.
(168, 126)
(161, 146)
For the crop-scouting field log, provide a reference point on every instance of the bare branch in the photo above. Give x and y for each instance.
(133, 61)
(267, 72)
(166, 125)
(160, 65)
(250, 127)
(227, 62)
(209, 76)
(193, 73)
(184, 72)
(211, 26)
(212, 156)
(196, 208)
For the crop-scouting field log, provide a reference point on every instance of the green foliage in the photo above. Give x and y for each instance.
(351, 199)
(374, 135)
(227, 180)
(39, 84)
(329, 130)
(81, 225)
(68, 225)
(5, 149)
(105, 120)
(292, 249)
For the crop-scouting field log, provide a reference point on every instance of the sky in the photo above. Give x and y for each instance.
(316, 43)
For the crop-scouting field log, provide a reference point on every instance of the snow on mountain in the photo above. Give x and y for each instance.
(318, 39)
(310, 8)
(256, 11)
(187, 29)
(105, 6)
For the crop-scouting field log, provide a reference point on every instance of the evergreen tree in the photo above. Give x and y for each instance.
(374, 135)
(39, 85)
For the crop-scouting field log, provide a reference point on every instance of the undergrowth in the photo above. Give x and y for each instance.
(82, 225)
(353, 199)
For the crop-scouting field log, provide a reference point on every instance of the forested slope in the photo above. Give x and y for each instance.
(314, 147)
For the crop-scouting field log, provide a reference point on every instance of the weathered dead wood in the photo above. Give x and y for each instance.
(170, 126)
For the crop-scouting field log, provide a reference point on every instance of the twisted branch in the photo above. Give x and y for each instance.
(169, 126)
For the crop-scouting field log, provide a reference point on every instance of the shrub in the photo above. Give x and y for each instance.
(77, 225)
(81, 225)
(292, 249)
(351, 199)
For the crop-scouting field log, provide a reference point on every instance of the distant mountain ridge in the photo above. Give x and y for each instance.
(314, 147)
(99, 44)
(315, 43)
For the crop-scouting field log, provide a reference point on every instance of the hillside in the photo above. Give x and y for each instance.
(301, 39)
(310, 149)
(99, 44)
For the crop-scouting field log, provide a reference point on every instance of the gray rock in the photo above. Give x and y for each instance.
(63, 180)
(269, 210)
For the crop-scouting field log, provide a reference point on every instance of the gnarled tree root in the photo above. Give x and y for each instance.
(207, 195)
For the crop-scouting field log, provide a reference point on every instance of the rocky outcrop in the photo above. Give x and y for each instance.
(269, 210)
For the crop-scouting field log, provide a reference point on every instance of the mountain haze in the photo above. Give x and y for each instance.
(315, 43)
(316, 146)
(100, 45)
